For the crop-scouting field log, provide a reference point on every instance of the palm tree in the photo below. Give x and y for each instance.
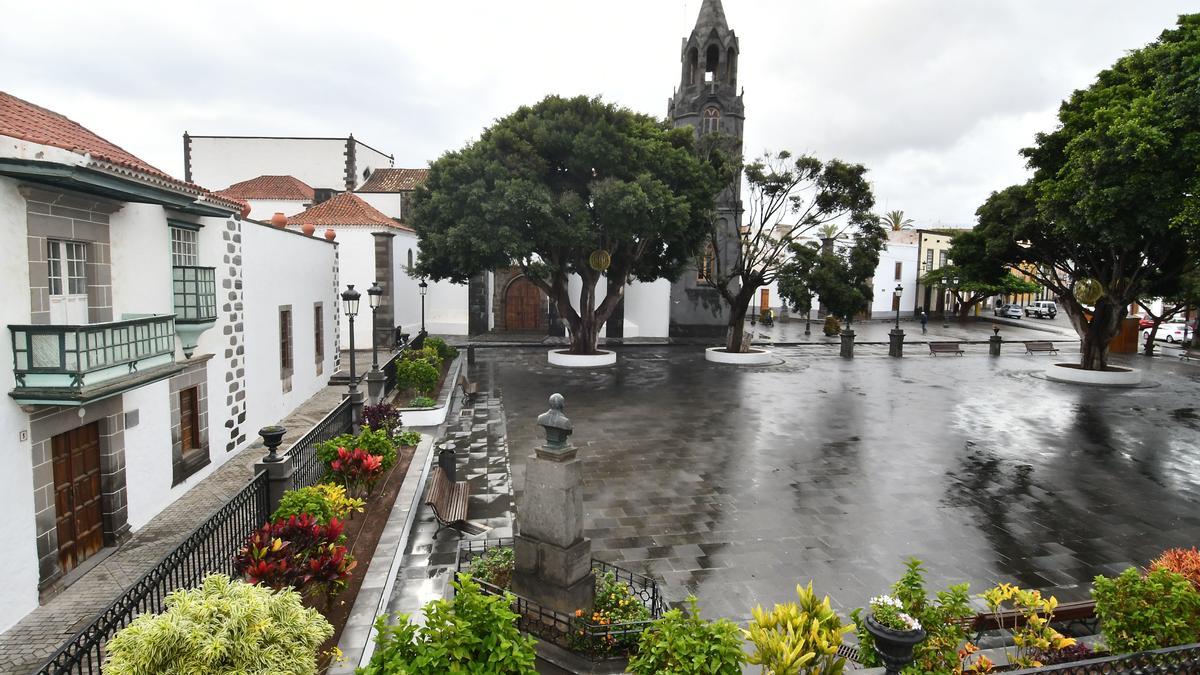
(829, 231)
(896, 221)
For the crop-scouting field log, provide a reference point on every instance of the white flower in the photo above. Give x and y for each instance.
(886, 600)
(912, 623)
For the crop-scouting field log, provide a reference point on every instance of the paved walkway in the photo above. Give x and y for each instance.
(32, 640)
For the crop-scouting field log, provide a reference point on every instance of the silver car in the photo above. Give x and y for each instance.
(1011, 312)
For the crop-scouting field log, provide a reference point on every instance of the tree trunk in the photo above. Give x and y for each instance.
(1104, 326)
(735, 333)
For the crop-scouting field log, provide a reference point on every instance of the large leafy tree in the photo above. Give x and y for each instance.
(788, 197)
(840, 276)
(558, 189)
(1115, 195)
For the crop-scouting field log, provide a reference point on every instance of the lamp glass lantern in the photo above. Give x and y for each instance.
(424, 287)
(374, 295)
(350, 298)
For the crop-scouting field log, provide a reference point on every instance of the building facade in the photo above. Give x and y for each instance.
(149, 337)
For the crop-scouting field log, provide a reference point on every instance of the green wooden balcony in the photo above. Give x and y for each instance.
(195, 291)
(73, 365)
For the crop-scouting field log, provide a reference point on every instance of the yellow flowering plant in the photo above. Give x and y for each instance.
(1033, 635)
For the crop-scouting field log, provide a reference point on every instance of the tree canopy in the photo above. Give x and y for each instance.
(840, 276)
(547, 186)
(979, 275)
(1115, 195)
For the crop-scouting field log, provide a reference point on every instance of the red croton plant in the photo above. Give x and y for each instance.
(298, 553)
(357, 470)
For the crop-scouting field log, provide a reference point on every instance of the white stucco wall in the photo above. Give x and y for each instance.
(356, 248)
(885, 279)
(306, 278)
(263, 209)
(387, 202)
(648, 309)
(18, 557)
(445, 303)
(148, 452)
(141, 261)
(366, 157)
(218, 162)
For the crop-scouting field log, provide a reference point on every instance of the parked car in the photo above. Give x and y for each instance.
(1010, 311)
(1171, 332)
(1145, 322)
(1043, 309)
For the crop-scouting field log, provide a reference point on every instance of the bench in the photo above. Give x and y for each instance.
(1189, 354)
(936, 348)
(1044, 346)
(469, 388)
(447, 498)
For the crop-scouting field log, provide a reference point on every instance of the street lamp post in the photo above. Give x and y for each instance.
(350, 300)
(896, 336)
(424, 288)
(375, 378)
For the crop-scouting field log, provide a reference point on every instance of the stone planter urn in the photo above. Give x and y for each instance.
(330, 234)
(279, 220)
(308, 229)
(895, 647)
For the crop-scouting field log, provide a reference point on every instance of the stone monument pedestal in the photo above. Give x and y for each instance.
(847, 351)
(896, 342)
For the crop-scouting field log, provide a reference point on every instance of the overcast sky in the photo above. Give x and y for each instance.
(934, 96)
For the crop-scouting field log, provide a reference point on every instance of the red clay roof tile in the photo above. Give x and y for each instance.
(270, 187)
(394, 180)
(344, 209)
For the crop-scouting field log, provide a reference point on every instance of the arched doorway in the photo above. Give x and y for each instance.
(523, 306)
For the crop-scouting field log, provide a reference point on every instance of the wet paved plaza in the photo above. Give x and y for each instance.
(738, 483)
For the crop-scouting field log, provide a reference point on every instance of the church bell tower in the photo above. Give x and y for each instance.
(707, 99)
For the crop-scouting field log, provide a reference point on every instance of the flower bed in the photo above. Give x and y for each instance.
(626, 603)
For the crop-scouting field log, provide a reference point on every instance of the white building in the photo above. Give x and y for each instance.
(324, 163)
(161, 332)
(898, 264)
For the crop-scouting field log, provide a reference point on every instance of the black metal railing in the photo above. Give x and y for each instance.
(595, 641)
(1183, 660)
(209, 549)
(195, 293)
(79, 351)
(389, 374)
(306, 466)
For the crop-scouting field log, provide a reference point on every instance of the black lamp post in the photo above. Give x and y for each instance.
(350, 300)
(899, 292)
(374, 297)
(424, 288)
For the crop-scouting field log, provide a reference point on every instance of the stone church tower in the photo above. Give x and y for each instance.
(707, 98)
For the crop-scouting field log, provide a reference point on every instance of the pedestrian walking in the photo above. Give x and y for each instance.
(924, 320)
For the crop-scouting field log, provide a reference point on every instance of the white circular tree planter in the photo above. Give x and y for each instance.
(561, 357)
(754, 357)
(1114, 377)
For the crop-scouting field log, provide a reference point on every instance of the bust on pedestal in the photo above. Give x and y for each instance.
(553, 558)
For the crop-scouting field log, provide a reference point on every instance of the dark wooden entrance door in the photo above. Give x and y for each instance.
(77, 494)
(522, 306)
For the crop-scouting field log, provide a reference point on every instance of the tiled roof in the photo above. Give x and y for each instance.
(394, 180)
(346, 208)
(270, 187)
(21, 119)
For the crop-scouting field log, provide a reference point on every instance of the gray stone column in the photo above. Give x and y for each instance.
(383, 329)
(553, 558)
(995, 341)
(896, 342)
(847, 351)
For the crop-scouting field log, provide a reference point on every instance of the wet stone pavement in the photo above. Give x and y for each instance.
(737, 483)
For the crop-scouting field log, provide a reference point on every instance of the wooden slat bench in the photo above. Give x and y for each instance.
(1189, 354)
(447, 498)
(1042, 346)
(469, 389)
(936, 348)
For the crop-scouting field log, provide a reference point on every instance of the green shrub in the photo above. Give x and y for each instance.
(223, 626)
(495, 566)
(422, 402)
(417, 375)
(445, 351)
(373, 441)
(409, 438)
(1161, 609)
(798, 638)
(941, 617)
(322, 501)
(683, 645)
(470, 633)
(832, 326)
(428, 353)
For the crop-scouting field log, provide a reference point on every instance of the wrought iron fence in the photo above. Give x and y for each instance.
(209, 549)
(596, 641)
(306, 466)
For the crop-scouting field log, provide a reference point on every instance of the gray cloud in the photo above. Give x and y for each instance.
(934, 96)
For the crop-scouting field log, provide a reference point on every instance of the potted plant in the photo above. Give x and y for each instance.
(895, 632)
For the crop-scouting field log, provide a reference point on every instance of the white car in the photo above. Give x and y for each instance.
(1010, 311)
(1171, 332)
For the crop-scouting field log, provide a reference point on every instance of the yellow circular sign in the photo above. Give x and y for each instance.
(599, 260)
(1088, 291)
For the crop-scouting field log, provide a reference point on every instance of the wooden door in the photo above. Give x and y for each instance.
(522, 306)
(65, 264)
(764, 300)
(77, 499)
(189, 420)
